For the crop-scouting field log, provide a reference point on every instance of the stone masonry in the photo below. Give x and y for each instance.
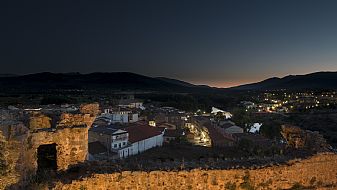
(317, 172)
(69, 133)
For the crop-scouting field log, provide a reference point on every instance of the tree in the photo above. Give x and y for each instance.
(271, 129)
(242, 118)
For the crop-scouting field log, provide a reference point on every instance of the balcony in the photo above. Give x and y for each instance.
(120, 139)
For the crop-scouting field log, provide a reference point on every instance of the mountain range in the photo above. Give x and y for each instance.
(318, 80)
(117, 81)
(122, 81)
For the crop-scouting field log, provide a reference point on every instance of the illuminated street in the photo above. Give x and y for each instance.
(201, 137)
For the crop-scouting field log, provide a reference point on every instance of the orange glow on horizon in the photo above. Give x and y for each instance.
(223, 84)
(227, 84)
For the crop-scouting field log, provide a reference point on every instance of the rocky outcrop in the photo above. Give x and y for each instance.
(303, 139)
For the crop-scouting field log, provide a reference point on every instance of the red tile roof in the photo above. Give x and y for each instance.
(138, 123)
(141, 132)
(172, 133)
(167, 125)
(160, 129)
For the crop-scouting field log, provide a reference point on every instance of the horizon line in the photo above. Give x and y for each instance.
(191, 82)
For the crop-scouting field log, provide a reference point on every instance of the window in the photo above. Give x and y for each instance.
(124, 143)
(120, 145)
(115, 145)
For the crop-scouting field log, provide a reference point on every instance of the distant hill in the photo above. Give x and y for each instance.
(181, 83)
(7, 75)
(117, 81)
(319, 80)
(125, 81)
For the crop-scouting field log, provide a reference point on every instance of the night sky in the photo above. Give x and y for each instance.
(219, 43)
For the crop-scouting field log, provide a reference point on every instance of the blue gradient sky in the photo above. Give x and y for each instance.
(219, 43)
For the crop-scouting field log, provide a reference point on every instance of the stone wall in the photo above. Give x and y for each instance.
(71, 149)
(70, 120)
(71, 146)
(14, 148)
(87, 115)
(92, 109)
(319, 171)
(39, 121)
(69, 132)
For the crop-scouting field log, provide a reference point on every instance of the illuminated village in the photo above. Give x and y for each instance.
(133, 136)
(168, 95)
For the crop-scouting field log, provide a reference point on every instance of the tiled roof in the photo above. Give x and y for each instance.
(172, 133)
(226, 125)
(138, 123)
(166, 125)
(160, 129)
(108, 130)
(141, 132)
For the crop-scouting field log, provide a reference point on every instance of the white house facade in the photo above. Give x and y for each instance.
(126, 142)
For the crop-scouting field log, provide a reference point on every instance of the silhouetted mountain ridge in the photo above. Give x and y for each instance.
(318, 80)
(125, 81)
(117, 81)
(180, 82)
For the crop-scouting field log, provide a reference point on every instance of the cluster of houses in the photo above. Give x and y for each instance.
(129, 129)
(275, 106)
(221, 131)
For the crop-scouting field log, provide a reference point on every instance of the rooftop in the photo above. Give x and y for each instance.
(172, 133)
(141, 132)
(226, 125)
(108, 130)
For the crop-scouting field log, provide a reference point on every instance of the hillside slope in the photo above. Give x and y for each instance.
(117, 81)
(319, 80)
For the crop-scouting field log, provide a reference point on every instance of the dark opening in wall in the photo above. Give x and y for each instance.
(46, 158)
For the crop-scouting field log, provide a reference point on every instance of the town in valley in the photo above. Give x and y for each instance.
(168, 95)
